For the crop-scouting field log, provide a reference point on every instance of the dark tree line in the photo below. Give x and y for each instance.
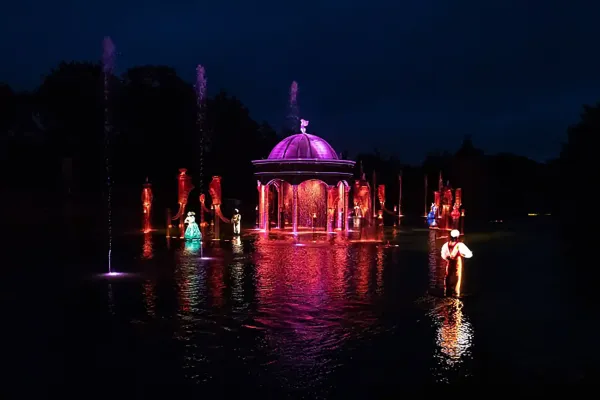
(154, 132)
(153, 116)
(495, 187)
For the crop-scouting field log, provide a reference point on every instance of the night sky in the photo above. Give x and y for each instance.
(405, 77)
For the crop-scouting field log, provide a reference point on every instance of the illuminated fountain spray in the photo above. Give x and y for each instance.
(294, 112)
(147, 198)
(108, 64)
(425, 197)
(184, 187)
(312, 204)
(200, 100)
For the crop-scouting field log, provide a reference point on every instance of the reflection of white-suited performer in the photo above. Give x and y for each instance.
(236, 220)
(453, 252)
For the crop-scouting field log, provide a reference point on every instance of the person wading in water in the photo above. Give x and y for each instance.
(453, 253)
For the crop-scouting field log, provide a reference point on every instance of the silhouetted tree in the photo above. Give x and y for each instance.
(577, 163)
(153, 114)
(71, 103)
(236, 139)
(469, 171)
(576, 190)
(8, 108)
(156, 120)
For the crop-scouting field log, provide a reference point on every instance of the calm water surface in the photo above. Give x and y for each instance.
(322, 317)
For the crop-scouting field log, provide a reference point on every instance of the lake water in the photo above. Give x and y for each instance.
(322, 316)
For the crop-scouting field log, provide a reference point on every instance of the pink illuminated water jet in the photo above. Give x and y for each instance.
(200, 103)
(293, 93)
(294, 112)
(108, 65)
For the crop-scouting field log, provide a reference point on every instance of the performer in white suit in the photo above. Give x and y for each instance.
(453, 253)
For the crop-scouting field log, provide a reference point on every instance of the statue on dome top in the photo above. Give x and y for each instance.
(303, 125)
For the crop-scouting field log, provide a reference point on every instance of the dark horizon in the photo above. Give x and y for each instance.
(414, 78)
(353, 152)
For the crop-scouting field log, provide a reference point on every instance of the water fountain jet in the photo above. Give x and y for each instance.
(108, 65)
(200, 103)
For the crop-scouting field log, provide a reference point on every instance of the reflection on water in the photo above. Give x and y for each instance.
(190, 277)
(147, 252)
(437, 271)
(150, 298)
(454, 336)
(313, 300)
(292, 308)
(332, 315)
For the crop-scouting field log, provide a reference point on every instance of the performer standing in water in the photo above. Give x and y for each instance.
(453, 253)
(236, 220)
(192, 231)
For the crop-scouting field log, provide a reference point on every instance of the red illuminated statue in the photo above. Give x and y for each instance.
(381, 195)
(203, 210)
(184, 188)
(147, 205)
(332, 201)
(214, 190)
(448, 205)
(362, 197)
(455, 214)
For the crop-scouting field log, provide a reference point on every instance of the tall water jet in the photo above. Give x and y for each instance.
(294, 112)
(147, 198)
(108, 64)
(399, 195)
(200, 103)
(425, 198)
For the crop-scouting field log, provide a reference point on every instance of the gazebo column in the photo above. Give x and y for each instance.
(346, 191)
(330, 207)
(279, 187)
(340, 205)
(261, 201)
(266, 223)
(295, 208)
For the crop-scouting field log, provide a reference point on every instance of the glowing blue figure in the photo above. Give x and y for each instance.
(192, 232)
(431, 216)
(192, 247)
(236, 220)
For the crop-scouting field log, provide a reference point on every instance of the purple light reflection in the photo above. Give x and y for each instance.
(115, 275)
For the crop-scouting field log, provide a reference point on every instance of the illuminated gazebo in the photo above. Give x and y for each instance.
(303, 184)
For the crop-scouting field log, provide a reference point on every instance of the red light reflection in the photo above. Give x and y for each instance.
(150, 298)
(147, 252)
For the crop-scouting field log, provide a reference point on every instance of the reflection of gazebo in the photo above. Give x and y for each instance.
(310, 185)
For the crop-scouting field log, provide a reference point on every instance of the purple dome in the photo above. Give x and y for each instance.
(303, 145)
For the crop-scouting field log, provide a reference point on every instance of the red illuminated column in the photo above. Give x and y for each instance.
(202, 206)
(340, 205)
(169, 222)
(216, 230)
(181, 225)
(374, 196)
(346, 191)
(295, 208)
(261, 202)
(266, 224)
(279, 187)
(400, 195)
(330, 207)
